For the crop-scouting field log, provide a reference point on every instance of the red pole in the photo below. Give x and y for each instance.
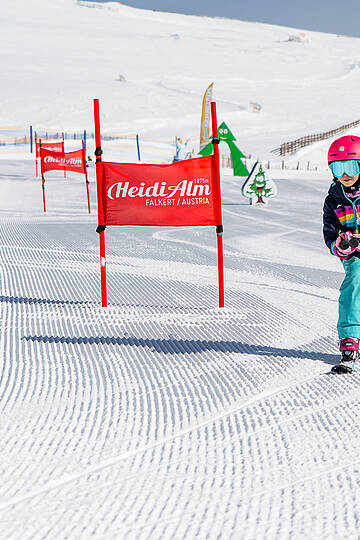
(42, 180)
(219, 226)
(63, 147)
(36, 155)
(101, 216)
(43, 190)
(86, 176)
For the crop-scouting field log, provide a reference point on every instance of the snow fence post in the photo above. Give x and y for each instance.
(101, 216)
(219, 226)
(138, 147)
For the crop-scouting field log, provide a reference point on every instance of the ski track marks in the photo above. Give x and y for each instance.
(163, 416)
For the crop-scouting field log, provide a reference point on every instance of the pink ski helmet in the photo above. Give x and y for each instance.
(346, 147)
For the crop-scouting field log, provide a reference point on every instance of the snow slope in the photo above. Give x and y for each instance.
(163, 416)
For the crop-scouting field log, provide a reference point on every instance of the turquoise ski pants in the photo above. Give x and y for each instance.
(349, 300)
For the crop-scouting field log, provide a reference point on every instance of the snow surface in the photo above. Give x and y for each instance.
(163, 416)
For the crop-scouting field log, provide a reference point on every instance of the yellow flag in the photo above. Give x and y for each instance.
(205, 132)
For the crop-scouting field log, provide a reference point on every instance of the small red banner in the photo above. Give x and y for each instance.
(55, 146)
(64, 161)
(178, 194)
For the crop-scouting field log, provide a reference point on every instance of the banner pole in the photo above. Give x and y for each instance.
(43, 190)
(219, 226)
(36, 157)
(42, 180)
(86, 177)
(63, 141)
(101, 217)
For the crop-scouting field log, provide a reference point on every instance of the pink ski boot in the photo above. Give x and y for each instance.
(349, 348)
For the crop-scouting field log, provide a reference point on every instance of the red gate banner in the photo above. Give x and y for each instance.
(185, 193)
(55, 146)
(178, 194)
(64, 161)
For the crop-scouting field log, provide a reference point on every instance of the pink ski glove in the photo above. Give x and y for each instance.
(346, 244)
(356, 237)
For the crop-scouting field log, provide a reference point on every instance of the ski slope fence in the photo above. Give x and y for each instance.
(293, 146)
(226, 163)
(8, 138)
(17, 136)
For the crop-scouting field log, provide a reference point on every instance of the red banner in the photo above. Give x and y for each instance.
(64, 161)
(55, 146)
(177, 194)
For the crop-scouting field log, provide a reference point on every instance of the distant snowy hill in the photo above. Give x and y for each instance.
(58, 56)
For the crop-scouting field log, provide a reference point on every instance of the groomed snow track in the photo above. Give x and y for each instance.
(163, 416)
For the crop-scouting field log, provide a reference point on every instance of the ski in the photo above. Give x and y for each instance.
(343, 368)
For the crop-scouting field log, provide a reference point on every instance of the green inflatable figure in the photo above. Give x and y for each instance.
(236, 154)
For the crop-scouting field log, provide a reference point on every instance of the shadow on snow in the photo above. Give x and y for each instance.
(26, 300)
(186, 346)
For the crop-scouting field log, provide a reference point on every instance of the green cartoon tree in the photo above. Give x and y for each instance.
(236, 154)
(259, 188)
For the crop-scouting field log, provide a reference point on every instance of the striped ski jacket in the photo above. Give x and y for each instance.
(340, 214)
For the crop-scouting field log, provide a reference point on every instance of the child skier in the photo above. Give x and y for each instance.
(341, 220)
(181, 148)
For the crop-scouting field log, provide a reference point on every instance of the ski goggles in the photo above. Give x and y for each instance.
(350, 167)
